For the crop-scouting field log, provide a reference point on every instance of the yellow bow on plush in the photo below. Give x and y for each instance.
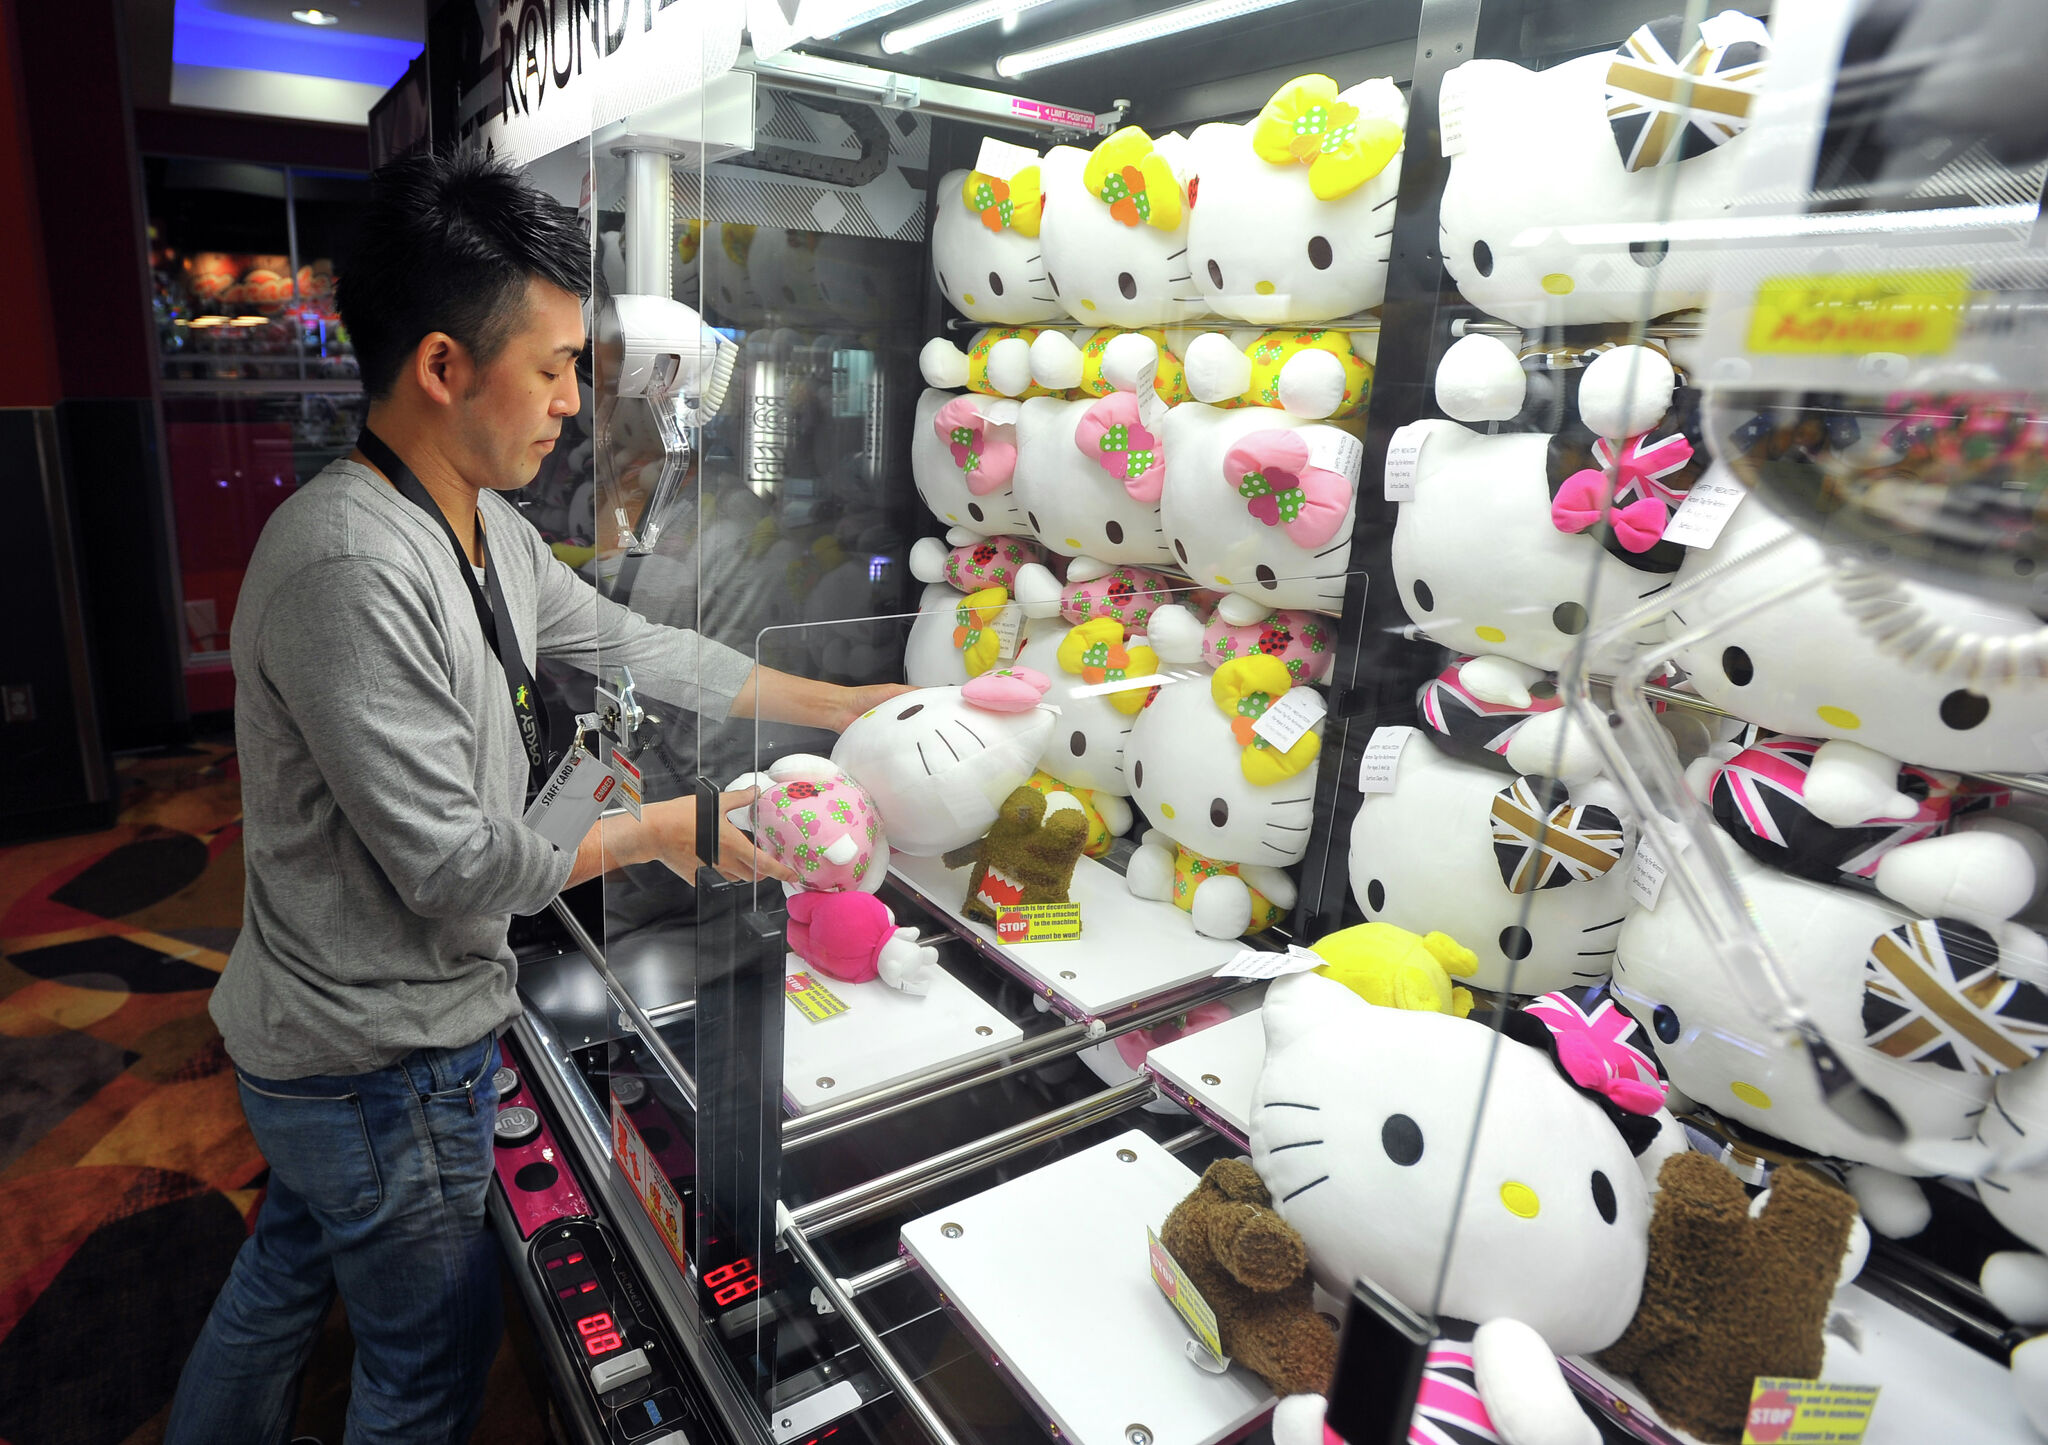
(1243, 689)
(1305, 122)
(1127, 174)
(1095, 651)
(974, 630)
(1013, 205)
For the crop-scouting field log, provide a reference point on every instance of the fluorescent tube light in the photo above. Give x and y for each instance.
(952, 22)
(1131, 32)
(823, 19)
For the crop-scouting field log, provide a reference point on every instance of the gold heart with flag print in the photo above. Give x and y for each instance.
(1540, 845)
(1933, 994)
(1664, 109)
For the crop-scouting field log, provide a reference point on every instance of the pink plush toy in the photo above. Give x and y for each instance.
(852, 937)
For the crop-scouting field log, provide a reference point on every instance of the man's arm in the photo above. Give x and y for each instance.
(355, 652)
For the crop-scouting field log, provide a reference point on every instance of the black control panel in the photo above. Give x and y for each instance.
(628, 1367)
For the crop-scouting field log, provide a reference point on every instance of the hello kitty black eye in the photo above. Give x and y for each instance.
(1219, 813)
(1603, 1196)
(1424, 598)
(995, 283)
(1648, 253)
(1401, 1137)
(974, 511)
(1515, 941)
(1114, 531)
(1180, 549)
(1568, 618)
(1319, 254)
(1215, 274)
(1482, 258)
(1375, 895)
(1267, 578)
(912, 711)
(1032, 518)
(1127, 284)
(1736, 666)
(1078, 743)
(1665, 1021)
(1137, 773)
(1963, 709)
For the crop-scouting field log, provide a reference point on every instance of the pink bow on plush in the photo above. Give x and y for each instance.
(1595, 1052)
(1111, 436)
(1272, 472)
(980, 450)
(1640, 466)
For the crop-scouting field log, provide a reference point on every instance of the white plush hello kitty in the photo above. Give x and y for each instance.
(1812, 665)
(1229, 809)
(932, 657)
(1115, 232)
(1260, 504)
(963, 460)
(1104, 359)
(985, 254)
(2014, 1133)
(1313, 374)
(1464, 1175)
(1293, 212)
(1532, 875)
(1089, 476)
(729, 297)
(939, 762)
(1085, 755)
(1556, 206)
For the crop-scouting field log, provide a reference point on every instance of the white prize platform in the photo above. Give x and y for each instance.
(1212, 1073)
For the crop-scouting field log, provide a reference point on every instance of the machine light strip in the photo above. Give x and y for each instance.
(952, 22)
(1131, 32)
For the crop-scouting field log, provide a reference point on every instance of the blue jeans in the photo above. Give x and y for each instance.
(377, 1188)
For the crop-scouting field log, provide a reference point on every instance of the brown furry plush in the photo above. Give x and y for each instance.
(1033, 853)
(1726, 1297)
(1253, 1269)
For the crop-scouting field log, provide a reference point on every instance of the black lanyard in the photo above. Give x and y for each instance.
(494, 617)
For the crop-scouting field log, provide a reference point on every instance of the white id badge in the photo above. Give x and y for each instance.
(572, 799)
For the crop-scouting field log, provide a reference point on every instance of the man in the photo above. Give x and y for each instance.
(383, 644)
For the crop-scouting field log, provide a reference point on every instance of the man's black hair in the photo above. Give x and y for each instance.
(448, 243)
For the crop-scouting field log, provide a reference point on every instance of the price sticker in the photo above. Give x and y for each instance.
(1039, 922)
(1807, 1412)
(1705, 510)
(1259, 963)
(1003, 160)
(1181, 1293)
(1404, 460)
(812, 999)
(1336, 451)
(1284, 723)
(1382, 761)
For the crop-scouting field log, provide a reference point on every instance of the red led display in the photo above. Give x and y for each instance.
(732, 1283)
(594, 1325)
(602, 1344)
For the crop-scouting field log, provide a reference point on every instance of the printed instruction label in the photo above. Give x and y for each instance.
(1915, 313)
(1181, 1293)
(811, 998)
(656, 1195)
(1039, 922)
(1450, 112)
(1260, 963)
(1298, 710)
(1003, 160)
(1336, 451)
(1646, 872)
(1705, 510)
(1807, 1412)
(1404, 459)
(629, 789)
(1382, 761)
(1009, 629)
(1060, 115)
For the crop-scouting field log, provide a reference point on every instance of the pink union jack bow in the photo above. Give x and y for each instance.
(1639, 467)
(1597, 1051)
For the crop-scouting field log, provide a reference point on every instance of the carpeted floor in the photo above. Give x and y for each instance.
(127, 1177)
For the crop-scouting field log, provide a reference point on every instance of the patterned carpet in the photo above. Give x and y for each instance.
(127, 1177)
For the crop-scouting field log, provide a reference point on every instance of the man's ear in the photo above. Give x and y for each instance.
(443, 368)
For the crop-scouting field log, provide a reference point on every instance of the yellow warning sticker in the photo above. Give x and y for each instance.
(1807, 1412)
(1915, 313)
(1174, 1283)
(811, 998)
(1039, 922)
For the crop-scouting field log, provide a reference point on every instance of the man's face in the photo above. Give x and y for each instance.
(512, 415)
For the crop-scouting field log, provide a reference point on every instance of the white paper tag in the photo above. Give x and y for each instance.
(1152, 410)
(1705, 510)
(1646, 872)
(1404, 460)
(1002, 160)
(1335, 451)
(629, 792)
(1450, 112)
(572, 799)
(1297, 710)
(1009, 627)
(1000, 410)
(1258, 963)
(1382, 760)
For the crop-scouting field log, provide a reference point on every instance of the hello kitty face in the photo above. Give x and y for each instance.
(782, 269)
(985, 250)
(1538, 208)
(1087, 746)
(946, 486)
(1362, 1127)
(1081, 505)
(1451, 845)
(1480, 565)
(939, 762)
(1261, 504)
(1115, 235)
(729, 297)
(1192, 765)
(1282, 243)
(1719, 1053)
(1805, 665)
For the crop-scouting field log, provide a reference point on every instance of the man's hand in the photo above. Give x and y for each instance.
(778, 697)
(855, 701)
(671, 833)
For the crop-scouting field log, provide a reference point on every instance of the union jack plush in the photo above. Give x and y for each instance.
(1662, 109)
(1758, 797)
(1542, 846)
(1454, 712)
(1933, 994)
(1601, 1047)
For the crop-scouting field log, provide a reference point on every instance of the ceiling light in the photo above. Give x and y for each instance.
(1131, 32)
(315, 17)
(952, 22)
(836, 17)
(250, 321)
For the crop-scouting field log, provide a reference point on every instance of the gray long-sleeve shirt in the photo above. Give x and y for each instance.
(383, 777)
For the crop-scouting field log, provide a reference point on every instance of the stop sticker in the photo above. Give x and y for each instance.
(1770, 1416)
